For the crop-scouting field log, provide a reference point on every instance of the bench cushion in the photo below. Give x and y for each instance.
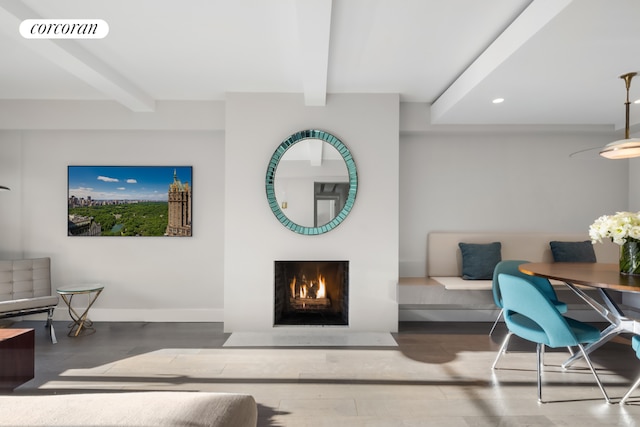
(28, 303)
(25, 278)
(445, 260)
(455, 283)
(460, 284)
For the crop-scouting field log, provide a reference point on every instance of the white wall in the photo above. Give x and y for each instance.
(634, 184)
(426, 179)
(502, 180)
(628, 298)
(11, 201)
(368, 238)
(150, 279)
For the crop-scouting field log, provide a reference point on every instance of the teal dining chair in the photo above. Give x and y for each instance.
(635, 344)
(529, 314)
(511, 267)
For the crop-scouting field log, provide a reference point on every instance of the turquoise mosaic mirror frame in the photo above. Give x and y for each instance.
(271, 173)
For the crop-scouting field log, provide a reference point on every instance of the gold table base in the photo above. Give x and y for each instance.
(80, 322)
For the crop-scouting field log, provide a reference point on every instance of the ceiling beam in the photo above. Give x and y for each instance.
(538, 14)
(72, 57)
(314, 32)
(315, 151)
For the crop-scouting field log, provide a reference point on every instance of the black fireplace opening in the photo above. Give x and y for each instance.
(311, 293)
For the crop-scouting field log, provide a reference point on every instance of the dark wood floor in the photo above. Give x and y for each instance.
(438, 375)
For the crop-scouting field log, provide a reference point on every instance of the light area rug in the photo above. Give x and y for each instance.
(310, 339)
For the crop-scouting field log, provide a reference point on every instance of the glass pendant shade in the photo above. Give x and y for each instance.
(622, 149)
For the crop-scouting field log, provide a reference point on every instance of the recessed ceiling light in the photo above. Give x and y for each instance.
(498, 100)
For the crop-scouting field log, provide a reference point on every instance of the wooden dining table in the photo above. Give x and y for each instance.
(602, 277)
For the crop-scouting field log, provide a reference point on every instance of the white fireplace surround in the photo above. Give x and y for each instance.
(368, 237)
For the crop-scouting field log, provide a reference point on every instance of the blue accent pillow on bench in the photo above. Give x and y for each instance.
(479, 259)
(573, 251)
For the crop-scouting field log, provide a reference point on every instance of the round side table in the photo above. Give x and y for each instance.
(80, 321)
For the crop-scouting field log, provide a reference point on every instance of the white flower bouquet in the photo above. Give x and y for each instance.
(621, 228)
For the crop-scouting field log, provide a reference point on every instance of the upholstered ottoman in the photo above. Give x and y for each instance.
(172, 408)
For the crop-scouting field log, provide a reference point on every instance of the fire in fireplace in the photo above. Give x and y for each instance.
(311, 293)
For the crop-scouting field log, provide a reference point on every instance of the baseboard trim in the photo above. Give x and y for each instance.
(130, 315)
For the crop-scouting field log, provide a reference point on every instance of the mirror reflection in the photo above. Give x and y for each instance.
(311, 183)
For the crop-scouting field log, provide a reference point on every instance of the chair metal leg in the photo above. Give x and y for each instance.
(586, 358)
(633, 387)
(49, 325)
(496, 322)
(503, 349)
(539, 361)
(542, 354)
(543, 348)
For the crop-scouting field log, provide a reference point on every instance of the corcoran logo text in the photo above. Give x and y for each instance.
(64, 28)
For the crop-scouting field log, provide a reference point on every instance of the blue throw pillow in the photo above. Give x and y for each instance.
(480, 259)
(573, 251)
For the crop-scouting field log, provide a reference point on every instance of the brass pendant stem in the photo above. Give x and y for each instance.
(627, 80)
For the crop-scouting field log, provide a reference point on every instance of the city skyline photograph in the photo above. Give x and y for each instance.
(142, 183)
(129, 201)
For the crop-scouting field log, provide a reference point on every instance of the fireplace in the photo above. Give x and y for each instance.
(311, 293)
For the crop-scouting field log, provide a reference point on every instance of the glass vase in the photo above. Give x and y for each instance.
(630, 258)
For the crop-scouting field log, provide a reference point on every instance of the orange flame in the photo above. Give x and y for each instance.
(322, 290)
(292, 285)
(302, 291)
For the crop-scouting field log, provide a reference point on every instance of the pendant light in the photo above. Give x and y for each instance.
(628, 147)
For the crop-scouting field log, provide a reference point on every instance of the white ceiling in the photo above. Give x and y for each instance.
(554, 61)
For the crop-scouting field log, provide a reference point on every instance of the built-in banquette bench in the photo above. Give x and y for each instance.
(443, 295)
(25, 288)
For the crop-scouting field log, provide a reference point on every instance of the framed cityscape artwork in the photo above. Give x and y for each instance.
(129, 200)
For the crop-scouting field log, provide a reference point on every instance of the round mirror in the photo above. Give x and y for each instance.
(311, 182)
